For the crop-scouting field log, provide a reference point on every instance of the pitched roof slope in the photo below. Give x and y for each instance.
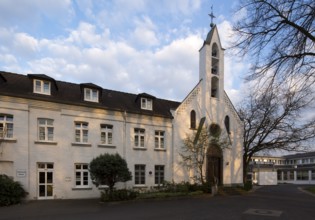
(17, 85)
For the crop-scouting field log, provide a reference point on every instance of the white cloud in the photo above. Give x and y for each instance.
(120, 64)
(240, 14)
(144, 33)
(25, 44)
(86, 35)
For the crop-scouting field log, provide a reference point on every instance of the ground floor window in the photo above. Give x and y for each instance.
(313, 174)
(81, 175)
(279, 175)
(302, 175)
(290, 175)
(140, 174)
(158, 174)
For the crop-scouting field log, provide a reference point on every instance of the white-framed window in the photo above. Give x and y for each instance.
(146, 103)
(139, 137)
(90, 95)
(45, 129)
(6, 126)
(313, 175)
(106, 134)
(81, 132)
(279, 175)
(159, 139)
(290, 175)
(302, 175)
(158, 174)
(139, 174)
(41, 87)
(81, 175)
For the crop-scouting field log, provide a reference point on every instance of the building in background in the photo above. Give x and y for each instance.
(294, 169)
(50, 130)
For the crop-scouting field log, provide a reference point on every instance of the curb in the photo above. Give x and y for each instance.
(305, 191)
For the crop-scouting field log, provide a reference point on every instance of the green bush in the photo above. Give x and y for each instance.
(108, 169)
(118, 195)
(11, 192)
(248, 185)
(185, 187)
(206, 188)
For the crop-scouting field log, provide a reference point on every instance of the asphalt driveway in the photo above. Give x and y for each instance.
(269, 202)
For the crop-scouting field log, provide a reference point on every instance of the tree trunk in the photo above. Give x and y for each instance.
(245, 168)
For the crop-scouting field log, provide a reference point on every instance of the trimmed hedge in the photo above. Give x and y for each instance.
(118, 195)
(185, 187)
(11, 192)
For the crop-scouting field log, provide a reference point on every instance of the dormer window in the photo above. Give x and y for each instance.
(42, 87)
(91, 95)
(146, 103)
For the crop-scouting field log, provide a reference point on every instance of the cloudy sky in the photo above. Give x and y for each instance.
(127, 45)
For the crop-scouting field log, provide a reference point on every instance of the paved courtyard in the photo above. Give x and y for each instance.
(269, 202)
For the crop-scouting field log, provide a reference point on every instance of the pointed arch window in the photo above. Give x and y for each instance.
(215, 51)
(214, 87)
(215, 59)
(227, 124)
(193, 119)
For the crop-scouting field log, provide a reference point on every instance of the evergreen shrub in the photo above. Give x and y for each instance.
(11, 192)
(118, 195)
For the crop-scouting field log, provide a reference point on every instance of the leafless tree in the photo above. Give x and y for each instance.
(273, 120)
(194, 153)
(279, 35)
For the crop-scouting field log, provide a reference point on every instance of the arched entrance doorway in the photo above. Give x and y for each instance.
(214, 165)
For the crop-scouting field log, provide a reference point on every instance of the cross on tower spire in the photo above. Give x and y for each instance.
(212, 17)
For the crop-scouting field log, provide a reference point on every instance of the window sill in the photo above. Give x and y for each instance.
(159, 149)
(82, 188)
(139, 148)
(158, 185)
(42, 93)
(140, 186)
(76, 144)
(106, 146)
(9, 140)
(46, 142)
(89, 100)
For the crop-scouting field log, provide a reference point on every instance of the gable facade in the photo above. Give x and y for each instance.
(50, 130)
(209, 100)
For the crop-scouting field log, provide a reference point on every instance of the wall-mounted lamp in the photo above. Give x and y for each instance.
(150, 172)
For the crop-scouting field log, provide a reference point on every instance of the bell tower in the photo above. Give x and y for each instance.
(211, 65)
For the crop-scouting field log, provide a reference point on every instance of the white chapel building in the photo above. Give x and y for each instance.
(50, 130)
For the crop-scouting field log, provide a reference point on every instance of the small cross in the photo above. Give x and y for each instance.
(211, 16)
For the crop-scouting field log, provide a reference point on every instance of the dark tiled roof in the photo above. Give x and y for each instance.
(300, 155)
(17, 85)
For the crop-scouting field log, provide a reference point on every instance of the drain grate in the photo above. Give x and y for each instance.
(264, 212)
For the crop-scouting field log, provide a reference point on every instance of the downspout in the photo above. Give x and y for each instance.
(124, 140)
(173, 144)
(124, 134)
(29, 153)
(172, 151)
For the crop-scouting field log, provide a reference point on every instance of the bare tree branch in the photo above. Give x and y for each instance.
(279, 35)
(273, 118)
